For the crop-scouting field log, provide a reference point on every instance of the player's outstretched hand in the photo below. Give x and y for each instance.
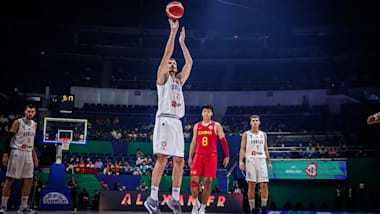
(241, 165)
(190, 162)
(270, 167)
(226, 161)
(174, 25)
(371, 120)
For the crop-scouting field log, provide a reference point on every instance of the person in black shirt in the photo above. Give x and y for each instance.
(73, 185)
(83, 199)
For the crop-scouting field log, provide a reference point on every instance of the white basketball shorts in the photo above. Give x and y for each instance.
(168, 137)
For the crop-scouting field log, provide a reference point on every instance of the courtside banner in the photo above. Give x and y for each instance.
(304, 170)
(134, 201)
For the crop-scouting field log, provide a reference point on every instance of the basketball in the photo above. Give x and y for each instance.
(175, 10)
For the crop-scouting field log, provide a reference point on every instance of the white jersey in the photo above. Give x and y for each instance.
(170, 98)
(255, 145)
(24, 138)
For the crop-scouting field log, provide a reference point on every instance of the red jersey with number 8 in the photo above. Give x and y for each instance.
(206, 138)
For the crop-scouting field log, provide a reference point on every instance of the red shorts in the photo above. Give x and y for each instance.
(204, 164)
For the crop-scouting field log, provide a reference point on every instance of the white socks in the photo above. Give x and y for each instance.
(154, 193)
(175, 193)
(4, 201)
(251, 204)
(24, 202)
(264, 202)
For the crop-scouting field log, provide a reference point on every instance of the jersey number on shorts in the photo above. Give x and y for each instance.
(204, 141)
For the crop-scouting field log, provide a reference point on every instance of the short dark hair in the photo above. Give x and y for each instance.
(173, 60)
(30, 106)
(208, 106)
(254, 116)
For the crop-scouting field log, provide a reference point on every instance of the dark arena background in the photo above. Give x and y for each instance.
(309, 68)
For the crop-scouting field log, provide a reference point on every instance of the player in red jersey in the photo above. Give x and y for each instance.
(205, 159)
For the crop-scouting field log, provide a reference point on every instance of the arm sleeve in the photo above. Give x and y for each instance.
(225, 147)
(7, 147)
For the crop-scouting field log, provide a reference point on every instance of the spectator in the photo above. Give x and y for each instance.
(118, 166)
(95, 201)
(107, 122)
(338, 198)
(127, 168)
(332, 152)
(116, 186)
(149, 160)
(145, 168)
(11, 117)
(81, 163)
(115, 121)
(90, 165)
(310, 150)
(123, 188)
(83, 199)
(216, 189)
(236, 189)
(201, 186)
(99, 164)
(73, 186)
(143, 187)
(136, 170)
(108, 169)
(70, 166)
(35, 193)
(351, 197)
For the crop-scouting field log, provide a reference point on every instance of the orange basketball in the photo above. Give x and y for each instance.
(175, 10)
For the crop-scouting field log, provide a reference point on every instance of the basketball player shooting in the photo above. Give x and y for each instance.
(255, 150)
(168, 137)
(205, 135)
(20, 158)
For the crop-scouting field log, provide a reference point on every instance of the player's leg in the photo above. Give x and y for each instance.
(152, 203)
(178, 151)
(173, 202)
(196, 174)
(27, 175)
(26, 187)
(207, 181)
(194, 181)
(210, 165)
(178, 163)
(158, 170)
(6, 192)
(263, 180)
(251, 195)
(264, 195)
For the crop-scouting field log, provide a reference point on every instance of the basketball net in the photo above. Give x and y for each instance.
(65, 143)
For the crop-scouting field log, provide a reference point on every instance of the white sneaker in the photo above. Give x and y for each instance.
(202, 210)
(27, 210)
(196, 207)
(3, 210)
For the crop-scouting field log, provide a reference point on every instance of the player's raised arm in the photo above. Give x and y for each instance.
(267, 153)
(242, 150)
(223, 141)
(163, 72)
(184, 75)
(193, 145)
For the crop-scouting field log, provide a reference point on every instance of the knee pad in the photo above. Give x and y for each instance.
(193, 183)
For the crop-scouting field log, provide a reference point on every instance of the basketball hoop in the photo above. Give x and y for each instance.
(65, 143)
